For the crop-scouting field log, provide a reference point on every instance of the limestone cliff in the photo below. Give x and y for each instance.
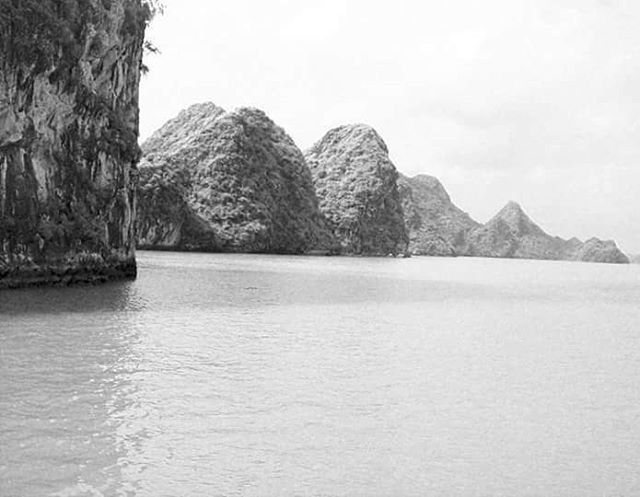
(512, 234)
(356, 184)
(227, 182)
(435, 225)
(69, 77)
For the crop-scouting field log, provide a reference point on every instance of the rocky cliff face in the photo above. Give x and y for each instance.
(227, 181)
(356, 184)
(70, 72)
(435, 225)
(512, 234)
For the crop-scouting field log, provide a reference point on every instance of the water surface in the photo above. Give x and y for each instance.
(244, 375)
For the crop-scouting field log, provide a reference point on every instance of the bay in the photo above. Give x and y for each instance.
(253, 375)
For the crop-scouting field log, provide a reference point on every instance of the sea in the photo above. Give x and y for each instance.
(256, 375)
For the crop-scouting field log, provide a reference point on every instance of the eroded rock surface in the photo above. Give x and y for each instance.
(68, 139)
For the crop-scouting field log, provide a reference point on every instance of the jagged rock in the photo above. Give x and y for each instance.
(512, 234)
(356, 184)
(435, 225)
(68, 139)
(227, 181)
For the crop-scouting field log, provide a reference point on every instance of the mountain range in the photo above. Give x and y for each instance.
(235, 181)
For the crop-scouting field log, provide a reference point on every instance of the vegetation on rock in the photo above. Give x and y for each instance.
(227, 181)
(68, 137)
(435, 225)
(44, 34)
(512, 234)
(356, 184)
(596, 250)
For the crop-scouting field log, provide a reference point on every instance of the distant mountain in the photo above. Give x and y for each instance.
(356, 184)
(435, 225)
(596, 250)
(635, 258)
(512, 234)
(212, 180)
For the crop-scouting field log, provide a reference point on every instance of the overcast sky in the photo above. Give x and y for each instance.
(536, 101)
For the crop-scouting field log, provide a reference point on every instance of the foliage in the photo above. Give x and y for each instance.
(356, 185)
(435, 225)
(86, 198)
(242, 181)
(45, 34)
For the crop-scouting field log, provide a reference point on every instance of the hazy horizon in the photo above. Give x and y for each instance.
(531, 101)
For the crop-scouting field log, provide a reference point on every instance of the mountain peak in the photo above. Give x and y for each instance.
(183, 128)
(429, 184)
(512, 211)
(516, 219)
(201, 108)
(352, 136)
(513, 207)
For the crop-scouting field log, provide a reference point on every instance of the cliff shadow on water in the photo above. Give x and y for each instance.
(70, 74)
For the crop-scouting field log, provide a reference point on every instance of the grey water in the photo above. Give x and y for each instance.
(246, 375)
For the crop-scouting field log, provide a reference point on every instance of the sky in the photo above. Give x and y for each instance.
(536, 101)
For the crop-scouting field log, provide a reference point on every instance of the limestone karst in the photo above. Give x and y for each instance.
(512, 234)
(435, 225)
(222, 181)
(356, 184)
(68, 139)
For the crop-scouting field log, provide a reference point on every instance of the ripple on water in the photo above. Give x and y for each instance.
(260, 375)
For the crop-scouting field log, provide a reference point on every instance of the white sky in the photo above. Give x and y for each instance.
(536, 101)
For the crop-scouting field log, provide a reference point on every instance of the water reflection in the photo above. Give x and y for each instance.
(110, 298)
(69, 406)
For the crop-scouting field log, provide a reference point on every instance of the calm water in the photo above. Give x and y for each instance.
(230, 375)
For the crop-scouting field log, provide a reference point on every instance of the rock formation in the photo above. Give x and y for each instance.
(68, 139)
(435, 225)
(512, 234)
(223, 181)
(595, 250)
(356, 184)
